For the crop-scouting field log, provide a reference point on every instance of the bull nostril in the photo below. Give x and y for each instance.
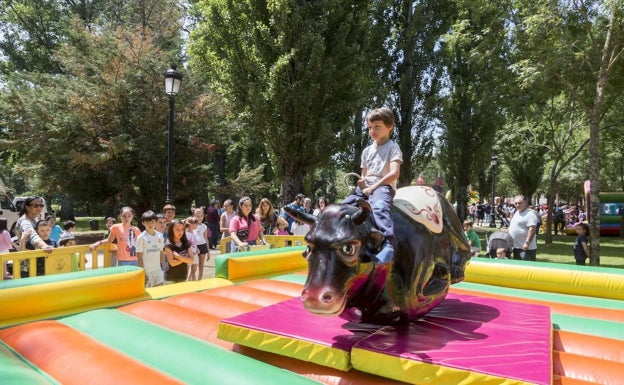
(304, 295)
(327, 297)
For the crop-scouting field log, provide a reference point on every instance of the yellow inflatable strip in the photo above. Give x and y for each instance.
(286, 346)
(159, 292)
(53, 299)
(531, 277)
(259, 266)
(421, 373)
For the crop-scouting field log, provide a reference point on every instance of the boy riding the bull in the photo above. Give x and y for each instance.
(381, 164)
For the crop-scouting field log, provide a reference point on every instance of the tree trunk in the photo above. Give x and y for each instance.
(606, 63)
(290, 187)
(67, 209)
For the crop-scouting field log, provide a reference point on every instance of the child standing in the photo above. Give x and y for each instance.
(57, 231)
(282, 227)
(150, 254)
(190, 224)
(43, 230)
(381, 164)
(473, 238)
(179, 252)
(125, 234)
(201, 237)
(6, 245)
(581, 251)
(69, 227)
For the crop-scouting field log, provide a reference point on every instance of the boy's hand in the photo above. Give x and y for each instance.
(361, 183)
(368, 191)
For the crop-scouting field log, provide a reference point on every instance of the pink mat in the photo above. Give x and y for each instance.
(473, 334)
(464, 333)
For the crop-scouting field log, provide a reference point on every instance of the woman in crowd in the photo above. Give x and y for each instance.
(267, 215)
(245, 228)
(226, 218)
(30, 213)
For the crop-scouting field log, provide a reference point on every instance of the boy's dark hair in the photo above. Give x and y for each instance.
(41, 222)
(585, 226)
(147, 216)
(169, 206)
(384, 114)
(68, 224)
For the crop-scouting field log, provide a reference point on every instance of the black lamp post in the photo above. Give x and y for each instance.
(173, 80)
(493, 163)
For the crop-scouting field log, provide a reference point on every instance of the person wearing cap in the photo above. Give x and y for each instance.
(67, 240)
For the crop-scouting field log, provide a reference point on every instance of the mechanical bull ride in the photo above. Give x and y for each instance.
(431, 252)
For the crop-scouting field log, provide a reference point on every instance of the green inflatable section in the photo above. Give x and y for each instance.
(592, 327)
(66, 276)
(15, 370)
(294, 278)
(196, 360)
(544, 296)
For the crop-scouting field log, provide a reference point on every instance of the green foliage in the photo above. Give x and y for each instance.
(98, 131)
(292, 76)
(474, 53)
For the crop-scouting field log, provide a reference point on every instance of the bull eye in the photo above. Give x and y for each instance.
(348, 250)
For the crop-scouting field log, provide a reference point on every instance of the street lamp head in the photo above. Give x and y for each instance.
(494, 161)
(173, 80)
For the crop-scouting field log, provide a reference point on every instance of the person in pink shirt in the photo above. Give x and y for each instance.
(245, 227)
(125, 234)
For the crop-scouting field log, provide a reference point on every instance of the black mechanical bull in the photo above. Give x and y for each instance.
(431, 252)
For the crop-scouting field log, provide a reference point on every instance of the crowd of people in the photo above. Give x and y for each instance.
(169, 249)
(523, 223)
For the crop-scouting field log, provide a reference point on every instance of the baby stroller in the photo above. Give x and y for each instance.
(502, 216)
(499, 240)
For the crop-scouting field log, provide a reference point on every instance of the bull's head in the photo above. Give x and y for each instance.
(337, 240)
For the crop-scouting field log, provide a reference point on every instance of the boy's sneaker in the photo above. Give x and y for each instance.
(386, 254)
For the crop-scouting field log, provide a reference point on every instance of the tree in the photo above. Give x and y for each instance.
(475, 57)
(575, 47)
(97, 131)
(414, 68)
(291, 70)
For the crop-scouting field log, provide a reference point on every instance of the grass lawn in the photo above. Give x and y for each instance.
(560, 251)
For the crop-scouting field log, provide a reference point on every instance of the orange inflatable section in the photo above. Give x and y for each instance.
(198, 314)
(586, 368)
(58, 344)
(187, 321)
(590, 346)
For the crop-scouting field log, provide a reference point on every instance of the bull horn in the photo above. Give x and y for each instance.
(300, 216)
(362, 213)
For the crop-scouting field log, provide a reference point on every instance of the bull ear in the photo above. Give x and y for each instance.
(300, 216)
(362, 213)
